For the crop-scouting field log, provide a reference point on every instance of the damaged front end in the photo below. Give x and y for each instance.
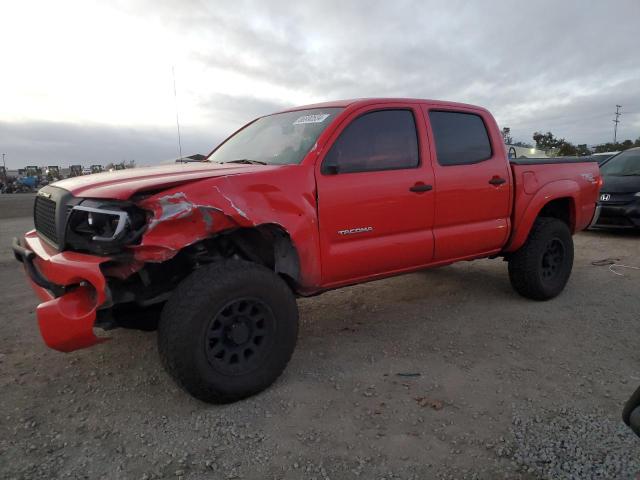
(104, 227)
(71, 287)
(176, 222)
(180, 234)
(90, 260)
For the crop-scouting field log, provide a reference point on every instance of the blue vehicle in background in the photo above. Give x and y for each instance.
(29, 179)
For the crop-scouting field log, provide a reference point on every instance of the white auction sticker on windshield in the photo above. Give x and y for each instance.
(312, 118)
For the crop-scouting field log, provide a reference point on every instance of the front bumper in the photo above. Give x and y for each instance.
(617, 216)
(71, 287)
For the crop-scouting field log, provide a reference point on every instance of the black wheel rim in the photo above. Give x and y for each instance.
(239, 335)
(552, 259)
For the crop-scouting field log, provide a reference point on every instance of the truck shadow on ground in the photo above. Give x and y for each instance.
(351, 326)
(613, 234)
(332, 321)
(451, 283)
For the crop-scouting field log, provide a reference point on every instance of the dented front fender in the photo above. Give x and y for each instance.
(189, 213)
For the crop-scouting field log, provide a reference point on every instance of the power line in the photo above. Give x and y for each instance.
(616, 122)
(4, 170)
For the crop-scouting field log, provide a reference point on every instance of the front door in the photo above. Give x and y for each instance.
(375, 197)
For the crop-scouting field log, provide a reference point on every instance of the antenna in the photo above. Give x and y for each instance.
(175, 95)
(616, 121)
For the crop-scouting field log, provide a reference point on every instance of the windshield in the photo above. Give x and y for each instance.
(280, 139)
(624, 164)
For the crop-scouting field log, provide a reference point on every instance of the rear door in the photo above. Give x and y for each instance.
(473, 197)
(375, 203)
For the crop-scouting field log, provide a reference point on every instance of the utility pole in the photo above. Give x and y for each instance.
(4, 171)
(616, 122)
(175, 96)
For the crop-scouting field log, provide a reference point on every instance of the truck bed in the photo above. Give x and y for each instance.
(572, 180)
(546, 161)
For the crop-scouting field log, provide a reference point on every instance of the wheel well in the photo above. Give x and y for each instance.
(269, 245)
(562, 209)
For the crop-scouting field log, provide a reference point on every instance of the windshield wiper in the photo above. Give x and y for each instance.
(247, 161)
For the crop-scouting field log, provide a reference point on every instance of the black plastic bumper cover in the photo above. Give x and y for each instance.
(26, 257)
(617, 216)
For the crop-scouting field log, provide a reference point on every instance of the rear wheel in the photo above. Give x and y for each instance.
(634, 421)
(631, 412)
(228, 331)
(541, 268)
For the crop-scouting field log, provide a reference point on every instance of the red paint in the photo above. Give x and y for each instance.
(402, 220)
(471, 216)
(578, 182)
(66, 322)
(462, 217)
(121, 184)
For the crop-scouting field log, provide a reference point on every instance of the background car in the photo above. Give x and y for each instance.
(619, 202)
(603, 156)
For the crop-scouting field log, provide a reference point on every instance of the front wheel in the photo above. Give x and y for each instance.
(631, 412)
(228, 331)
(541, 268)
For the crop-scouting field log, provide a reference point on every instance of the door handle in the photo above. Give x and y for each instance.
(421, 187)
(497, 181)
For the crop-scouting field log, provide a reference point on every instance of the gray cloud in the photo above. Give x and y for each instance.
(234, 110)
(63, 144)
(538, 65)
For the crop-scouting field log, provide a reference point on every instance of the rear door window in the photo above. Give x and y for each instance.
(460, 138)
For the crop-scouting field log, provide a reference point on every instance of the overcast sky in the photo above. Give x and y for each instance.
(91, 82)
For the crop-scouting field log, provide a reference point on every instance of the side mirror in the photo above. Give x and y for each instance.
(330, 169)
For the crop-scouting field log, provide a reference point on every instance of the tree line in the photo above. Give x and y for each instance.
(548, 141)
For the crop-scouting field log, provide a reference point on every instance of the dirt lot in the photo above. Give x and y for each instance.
(520, 389)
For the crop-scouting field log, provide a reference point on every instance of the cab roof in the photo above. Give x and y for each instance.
(362, 102)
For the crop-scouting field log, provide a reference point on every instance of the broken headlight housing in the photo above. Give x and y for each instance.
(104, 227)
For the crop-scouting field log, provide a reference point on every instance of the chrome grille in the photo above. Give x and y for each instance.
(44, 218)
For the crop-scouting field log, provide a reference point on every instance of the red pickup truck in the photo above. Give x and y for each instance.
(293, 204)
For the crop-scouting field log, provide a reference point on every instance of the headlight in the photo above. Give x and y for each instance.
(104, 227)
(637, 194)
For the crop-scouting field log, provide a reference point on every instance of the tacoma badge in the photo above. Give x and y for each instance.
(355, 230)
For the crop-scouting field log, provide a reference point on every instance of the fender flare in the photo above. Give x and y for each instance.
(551, 191)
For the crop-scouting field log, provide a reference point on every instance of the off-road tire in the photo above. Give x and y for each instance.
(529, 268)
(204, 296)
(631, 412)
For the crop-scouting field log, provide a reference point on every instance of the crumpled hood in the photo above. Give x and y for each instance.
(122, 184)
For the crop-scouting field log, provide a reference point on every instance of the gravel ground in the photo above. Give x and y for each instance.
(567, 443)
(439, 374)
